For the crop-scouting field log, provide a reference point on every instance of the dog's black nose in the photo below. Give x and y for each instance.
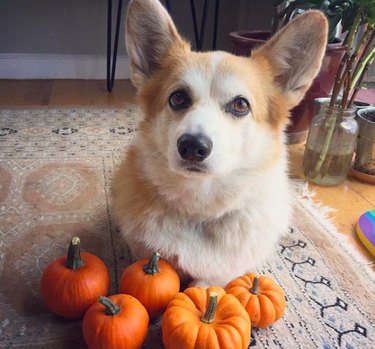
(194, 147)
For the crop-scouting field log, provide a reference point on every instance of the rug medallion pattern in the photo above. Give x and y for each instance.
(55, 172)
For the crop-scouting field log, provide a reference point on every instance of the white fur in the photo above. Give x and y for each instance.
(216, 225)
(215, 246)
(232, 139)
(213, 242)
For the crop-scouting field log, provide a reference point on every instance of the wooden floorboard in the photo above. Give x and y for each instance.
(68, 93)
(350, 199)
(12, 92)
(91, 93)
(38, 93)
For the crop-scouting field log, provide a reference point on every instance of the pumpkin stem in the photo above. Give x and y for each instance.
(255, 288)
(74, 260)
(209, 315)
(110, 307)
(152, 267)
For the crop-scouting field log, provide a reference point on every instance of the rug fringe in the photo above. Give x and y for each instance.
(319, 211)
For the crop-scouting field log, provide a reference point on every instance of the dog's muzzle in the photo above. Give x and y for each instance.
(194, 147)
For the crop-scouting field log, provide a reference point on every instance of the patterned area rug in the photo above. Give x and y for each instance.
(55, 171)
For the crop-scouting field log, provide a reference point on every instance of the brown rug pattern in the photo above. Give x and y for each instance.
(55, 171)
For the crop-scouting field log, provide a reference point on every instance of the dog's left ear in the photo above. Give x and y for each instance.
(295, 54)
(150, 36)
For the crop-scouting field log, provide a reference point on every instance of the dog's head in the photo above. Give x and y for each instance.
(213, 113)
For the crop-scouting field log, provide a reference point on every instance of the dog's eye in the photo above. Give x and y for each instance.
(239, 106)
(179, 99)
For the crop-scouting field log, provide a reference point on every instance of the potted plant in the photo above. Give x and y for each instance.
(283, 12)
(333, 132)
(335, 11)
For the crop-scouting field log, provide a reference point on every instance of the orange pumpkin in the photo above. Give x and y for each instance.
(119, 321)
(262, 297)
(202, 318)
(71, 284)
(153, 282)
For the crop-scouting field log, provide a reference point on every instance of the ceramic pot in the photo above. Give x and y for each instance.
(365, 151)
(244, 41)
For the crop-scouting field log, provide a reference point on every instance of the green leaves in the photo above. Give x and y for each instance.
(335, 11)
(368, 9)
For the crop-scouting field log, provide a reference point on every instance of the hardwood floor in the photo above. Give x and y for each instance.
(349, 200)
(58, 93)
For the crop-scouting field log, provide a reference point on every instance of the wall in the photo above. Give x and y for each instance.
(67, 38)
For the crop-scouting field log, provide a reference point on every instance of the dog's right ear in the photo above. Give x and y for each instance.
(150, 37)
(295, 54)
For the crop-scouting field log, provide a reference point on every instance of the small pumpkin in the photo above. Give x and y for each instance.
(71, 284)
(202, 318)
(262, 297)
(114, 322)
(153, 282)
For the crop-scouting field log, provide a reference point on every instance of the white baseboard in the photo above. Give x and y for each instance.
(58, 66)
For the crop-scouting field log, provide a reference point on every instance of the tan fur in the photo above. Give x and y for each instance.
(295, 56)
(217, 225)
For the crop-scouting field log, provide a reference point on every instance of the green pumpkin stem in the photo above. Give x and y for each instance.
(209, 315)
(255, 288)
(110, 307)
(74, 260)
(152, 267)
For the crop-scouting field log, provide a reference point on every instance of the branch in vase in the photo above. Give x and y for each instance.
(353, 32)
(364, 59)
(339, 79)
(348, 77)
(346, 61)
(366, 40)
(360, 80)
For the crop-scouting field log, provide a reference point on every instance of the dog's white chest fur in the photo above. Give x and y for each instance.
(212, 231)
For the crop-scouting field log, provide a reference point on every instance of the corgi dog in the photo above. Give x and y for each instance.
(205, 182)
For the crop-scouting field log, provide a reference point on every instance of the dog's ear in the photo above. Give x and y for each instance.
(150, 36)
(295, 54)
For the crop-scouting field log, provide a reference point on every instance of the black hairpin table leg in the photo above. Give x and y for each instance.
(195, 24)
(199, 35)
(168, 6)
(111, 66)
(217, 9)
(203, 24)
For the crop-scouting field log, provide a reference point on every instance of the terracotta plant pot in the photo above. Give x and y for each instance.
(244, 41)
(301, 116)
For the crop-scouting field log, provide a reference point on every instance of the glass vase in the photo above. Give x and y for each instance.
(330, 146)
